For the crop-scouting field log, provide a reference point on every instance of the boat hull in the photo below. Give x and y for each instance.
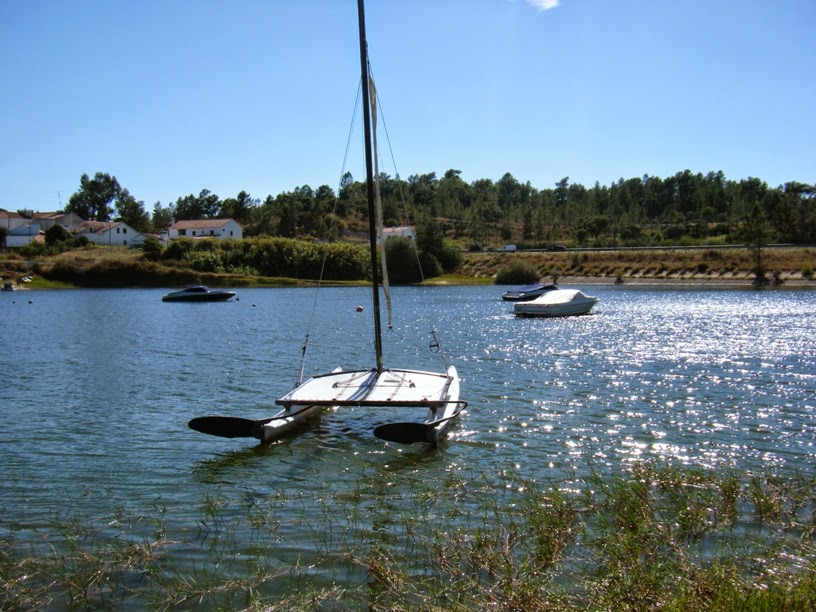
(560, 303)
(208, 296)
(448, 413)
(571, 310)
(524, 294)
(287, 420)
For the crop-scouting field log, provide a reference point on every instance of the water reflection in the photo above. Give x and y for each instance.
(99, 399)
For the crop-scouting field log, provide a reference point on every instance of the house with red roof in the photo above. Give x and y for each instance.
(110, 233)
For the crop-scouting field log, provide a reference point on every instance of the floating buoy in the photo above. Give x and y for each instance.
(359, 309)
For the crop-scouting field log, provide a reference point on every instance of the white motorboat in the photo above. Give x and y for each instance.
(436, 393)
(528, 292)
(557, 303)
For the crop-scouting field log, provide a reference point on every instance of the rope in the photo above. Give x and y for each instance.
(313, 312)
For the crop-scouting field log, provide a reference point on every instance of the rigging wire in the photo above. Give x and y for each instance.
(398, 182)
(330, 232)
(434, 345)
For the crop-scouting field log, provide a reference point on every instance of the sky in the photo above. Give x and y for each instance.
(175, 96)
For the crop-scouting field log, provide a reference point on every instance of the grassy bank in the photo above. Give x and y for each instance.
(788, 264)
(116, 267)
(658, 537)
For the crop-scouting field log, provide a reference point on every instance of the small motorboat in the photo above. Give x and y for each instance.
(557, 303)
(530, 292)
(199, 293)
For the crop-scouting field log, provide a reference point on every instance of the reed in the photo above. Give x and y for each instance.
(656, 537)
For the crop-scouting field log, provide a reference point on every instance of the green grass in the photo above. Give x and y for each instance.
(656, 537)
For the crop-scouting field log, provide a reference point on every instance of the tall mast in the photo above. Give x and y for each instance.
(372, 224)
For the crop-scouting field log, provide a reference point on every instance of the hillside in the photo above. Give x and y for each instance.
(115, 267)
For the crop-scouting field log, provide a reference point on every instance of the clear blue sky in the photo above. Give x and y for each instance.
(175, 96)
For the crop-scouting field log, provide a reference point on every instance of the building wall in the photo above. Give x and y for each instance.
(229, 230)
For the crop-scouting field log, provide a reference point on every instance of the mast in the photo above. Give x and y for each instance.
(372, 225)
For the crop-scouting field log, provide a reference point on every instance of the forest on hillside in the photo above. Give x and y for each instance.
(685, 208)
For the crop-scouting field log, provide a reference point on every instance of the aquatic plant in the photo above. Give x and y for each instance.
(656, 537)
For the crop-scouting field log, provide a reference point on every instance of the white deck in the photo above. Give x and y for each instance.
(366, 388)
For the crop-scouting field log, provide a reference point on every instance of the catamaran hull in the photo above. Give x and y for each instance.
(447, 415)
(287, 420)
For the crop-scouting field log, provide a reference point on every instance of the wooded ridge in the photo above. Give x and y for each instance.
(685, 208)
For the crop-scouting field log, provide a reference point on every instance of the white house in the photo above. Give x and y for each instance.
(66, 220)
(110, 233)
(23, 234)
(403, 231)
(206, 228)
(11, 220)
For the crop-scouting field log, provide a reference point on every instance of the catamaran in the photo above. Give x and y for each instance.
(436, 393)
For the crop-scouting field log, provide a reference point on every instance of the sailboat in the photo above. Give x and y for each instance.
(437, 393)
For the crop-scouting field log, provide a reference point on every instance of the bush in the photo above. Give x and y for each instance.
(518, 272)
(401, 260)
(807, 270)
(152, 249)
(450, 258)
(430, 265)
(55, 234)
(180, 249)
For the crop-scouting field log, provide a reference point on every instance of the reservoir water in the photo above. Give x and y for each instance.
(98, 386)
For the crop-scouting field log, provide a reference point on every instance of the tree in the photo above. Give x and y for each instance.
(56, 233)
(453, 194)
(287, 224)
(162, 217)
(132, 211)
(430, 238)
(756, 231)
(205, 205)
(510, 192)
(596, 226)
(239, 208)
(93, 200)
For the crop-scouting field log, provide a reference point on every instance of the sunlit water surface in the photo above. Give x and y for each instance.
(98, 386)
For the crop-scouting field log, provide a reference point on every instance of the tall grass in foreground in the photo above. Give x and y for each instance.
(655, 537)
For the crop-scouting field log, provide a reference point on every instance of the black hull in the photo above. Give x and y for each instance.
(211, 297)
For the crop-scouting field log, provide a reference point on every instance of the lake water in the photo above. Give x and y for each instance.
(98, 386)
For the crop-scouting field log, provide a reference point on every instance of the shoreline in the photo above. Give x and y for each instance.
(690, 283)
(683, 283)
